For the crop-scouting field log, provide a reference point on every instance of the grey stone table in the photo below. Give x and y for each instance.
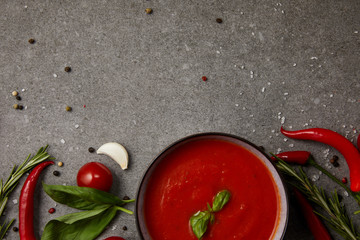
(136, 79)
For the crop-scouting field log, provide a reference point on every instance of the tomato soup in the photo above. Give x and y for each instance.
(192, 174)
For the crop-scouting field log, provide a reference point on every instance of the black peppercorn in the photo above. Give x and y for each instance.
(336, 164)
(124, 228)
(91, 149)
(126, 198)
(335, 157)
(15, 229)
(18, 98)
(56, 173)
(219, 20)
(21, 107)
(67, 69)
(31, 41)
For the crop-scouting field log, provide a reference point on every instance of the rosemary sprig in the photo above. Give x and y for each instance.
(336, 215)
(13, 180)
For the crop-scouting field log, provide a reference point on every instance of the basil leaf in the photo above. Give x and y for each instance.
(199, 223)
(220, 200)
(82, 198)
(85, 229)
(74, 217)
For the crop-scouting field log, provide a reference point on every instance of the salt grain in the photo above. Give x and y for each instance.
(62, 141)
(291, 145)
(278, 150)
(285, 139)
(294, 64)
(77, 126)
(282, 120)
(263, 89)
(55, 75)
(315, 178)
(346, 194)
(15, 201)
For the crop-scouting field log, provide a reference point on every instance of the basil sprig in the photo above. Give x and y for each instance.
(200, 221)
(100, 208)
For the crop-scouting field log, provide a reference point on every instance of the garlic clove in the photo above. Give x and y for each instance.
(116, 152)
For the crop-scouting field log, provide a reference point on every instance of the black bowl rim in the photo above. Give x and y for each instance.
(200, 135)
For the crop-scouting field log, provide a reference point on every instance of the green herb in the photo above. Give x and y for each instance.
(101, 207)
(199, 221)
(13, 180)
(336, 215)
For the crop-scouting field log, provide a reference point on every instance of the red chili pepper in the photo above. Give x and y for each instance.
(343, 145)
(26, 203)
(317, 228)
(299, 157)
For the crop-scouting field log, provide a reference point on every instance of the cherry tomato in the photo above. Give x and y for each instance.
(114, 238)
(95, 175)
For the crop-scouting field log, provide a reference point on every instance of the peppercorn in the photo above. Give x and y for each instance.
(68, 108)
(16, 106)
(60, 164)
(219, 20)
(124, 228)
(31, 41)
(335, 158)
(14, 93)
(51, 210)
(204, 78)
(15, 229)
(126, 198)
(336, 164)
(67, 69)
(344, 180)
(91, 149)
(21, 107)
(148, 11)
(334, 161)
(18, 98)
(56, 173)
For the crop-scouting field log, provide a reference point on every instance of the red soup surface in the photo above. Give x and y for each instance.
(189, 178)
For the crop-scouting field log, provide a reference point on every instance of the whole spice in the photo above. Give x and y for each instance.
(125, 228)
(317, 228)
(343, 145)
(56, 173)
(21, 107)
(91, 149)
(299, 157)
(67, 69)
(219, 20)
(60, 164)
(31, 41)
(51, 210)
(344, 180)
(15, 229)
(336, 215)
(26, 205)
(16, 106)
(310, 160)
(204, 78)
(14, 93)
(148, 10)
(67, 108)
(18, 98)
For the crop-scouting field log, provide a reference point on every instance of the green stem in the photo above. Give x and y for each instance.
(312, 162)
(124, 210)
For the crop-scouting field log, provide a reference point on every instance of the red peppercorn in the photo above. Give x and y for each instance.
(344, 180)
(204, 78)
(51, 210)
(84, 106)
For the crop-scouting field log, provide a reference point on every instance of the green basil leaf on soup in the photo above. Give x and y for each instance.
(220, 200)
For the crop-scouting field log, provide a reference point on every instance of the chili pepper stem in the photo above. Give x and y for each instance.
(312, 162)
(124, 210)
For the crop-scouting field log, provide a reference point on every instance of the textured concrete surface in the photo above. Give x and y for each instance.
(136, 80)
